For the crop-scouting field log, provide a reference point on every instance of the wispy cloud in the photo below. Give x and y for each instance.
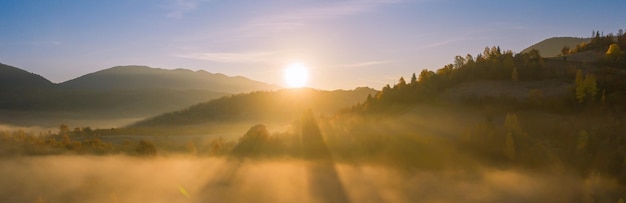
(300, 17)
(178, 8)
(441, 43)
(362, 64)
(274, 25)
(231, 57)
(330, 10)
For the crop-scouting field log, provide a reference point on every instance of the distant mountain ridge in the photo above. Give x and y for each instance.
(551, 47)
(12, 77)
(144, 77)
(116, 93)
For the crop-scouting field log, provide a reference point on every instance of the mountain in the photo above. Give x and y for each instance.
(15, 78)
(552, 47)
(143, 77)
(258, 107)
(115, 94)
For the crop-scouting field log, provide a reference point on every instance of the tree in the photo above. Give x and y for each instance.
(514, 75)
(401, 83)
(469, 59)
(64, 130)
(535, 56)
(87, 130)
(459, 61)
(146, 148)
(614, 53)
(579, 77)
(591, 87)
(256, 133)
(586, 87)
(565, 50)
(424, 76)
(217, 145)
(413, 79)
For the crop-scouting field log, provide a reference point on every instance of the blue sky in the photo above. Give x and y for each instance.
(345, 43)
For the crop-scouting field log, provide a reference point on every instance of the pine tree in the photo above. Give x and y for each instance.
(401, 82)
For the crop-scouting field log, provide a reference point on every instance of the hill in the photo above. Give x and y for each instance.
(143, 77)
(280, 106)
(14, 78)
(113, 95)
(552, 47)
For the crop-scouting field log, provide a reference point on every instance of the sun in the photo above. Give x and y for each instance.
(296, 75)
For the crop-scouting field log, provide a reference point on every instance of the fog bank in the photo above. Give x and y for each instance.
(192, 179)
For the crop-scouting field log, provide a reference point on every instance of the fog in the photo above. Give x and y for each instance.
(120, 178)
(424, 155)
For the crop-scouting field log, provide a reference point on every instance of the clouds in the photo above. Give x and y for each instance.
(362, 64)
(231, 57)
(325, 11)
(273, 25)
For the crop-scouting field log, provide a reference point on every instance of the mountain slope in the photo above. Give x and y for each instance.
(552, 47)
(143, 77)
(14, 78)
(118, 93)
(261, 107)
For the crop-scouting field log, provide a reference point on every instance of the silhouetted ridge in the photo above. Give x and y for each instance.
(13, 78)
(143, 77)
(281, 105)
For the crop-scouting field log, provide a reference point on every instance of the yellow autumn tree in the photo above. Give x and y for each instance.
(614, 52)
(586, 87)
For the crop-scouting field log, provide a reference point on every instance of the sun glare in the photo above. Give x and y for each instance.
(296, 75)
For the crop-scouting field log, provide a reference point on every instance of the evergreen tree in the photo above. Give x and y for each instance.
(401, 83)
(413, 79)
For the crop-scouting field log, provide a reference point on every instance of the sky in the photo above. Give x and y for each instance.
(344, 43)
